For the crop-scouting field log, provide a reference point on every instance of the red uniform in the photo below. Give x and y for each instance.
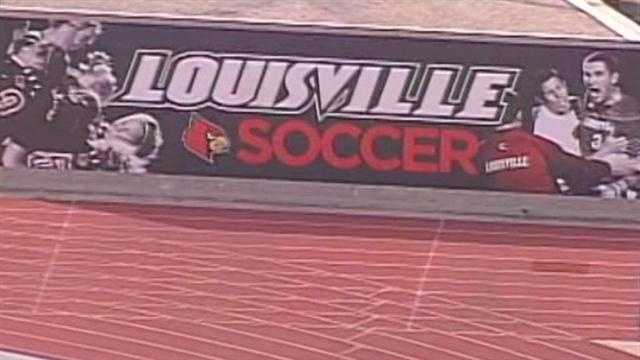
(515, 160)
(620, 118)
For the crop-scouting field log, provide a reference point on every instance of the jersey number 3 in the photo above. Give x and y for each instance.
(596, 141)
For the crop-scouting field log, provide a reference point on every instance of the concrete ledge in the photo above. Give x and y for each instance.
(318, 197)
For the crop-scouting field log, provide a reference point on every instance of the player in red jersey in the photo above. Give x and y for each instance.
(609, 112)
(513, 159)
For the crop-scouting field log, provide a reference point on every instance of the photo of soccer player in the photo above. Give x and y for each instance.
(128, 144)
(22, 78)
(514, 159)
(555, 113)
(608, 111)
(63, 89)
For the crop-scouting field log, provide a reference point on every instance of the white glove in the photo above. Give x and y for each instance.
(622, 164)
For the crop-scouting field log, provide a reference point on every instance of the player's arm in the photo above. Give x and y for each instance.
(14, 156)
(580, 174)
(56, 71)
(614, 151)
(611, 145)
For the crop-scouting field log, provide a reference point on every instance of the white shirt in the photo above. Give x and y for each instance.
(558, 129)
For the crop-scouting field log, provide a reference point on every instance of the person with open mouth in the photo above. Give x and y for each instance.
(608, 111)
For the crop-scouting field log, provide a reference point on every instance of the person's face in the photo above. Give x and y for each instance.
(86, 80)
(556, 95)
(33, 56)
(61, 36)
(124, 137)
(70, 36)
(85, 36)
(101, 83)
(599, 81)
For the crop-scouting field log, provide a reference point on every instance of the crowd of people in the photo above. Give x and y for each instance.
(54, 86)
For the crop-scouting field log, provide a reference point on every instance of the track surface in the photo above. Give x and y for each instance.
(107, 281)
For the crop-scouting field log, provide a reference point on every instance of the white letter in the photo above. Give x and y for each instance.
(147, 71)
(297, 87)
(435, 95)
(330, 82)
(236, 87)
(192, 80)
(271, 84)
(365, 87)
(486, 87)
(390, 99)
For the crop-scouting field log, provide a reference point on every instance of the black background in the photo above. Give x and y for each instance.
(122, 39)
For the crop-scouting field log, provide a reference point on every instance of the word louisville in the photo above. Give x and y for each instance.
(444, 93)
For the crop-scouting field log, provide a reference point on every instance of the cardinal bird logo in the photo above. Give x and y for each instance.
(205, 139)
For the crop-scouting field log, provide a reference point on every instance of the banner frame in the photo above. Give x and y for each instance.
(504, 37)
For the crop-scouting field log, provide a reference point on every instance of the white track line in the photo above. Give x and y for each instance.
(425, 273)
(54, 255)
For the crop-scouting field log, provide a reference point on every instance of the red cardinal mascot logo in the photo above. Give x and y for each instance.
(205, 139)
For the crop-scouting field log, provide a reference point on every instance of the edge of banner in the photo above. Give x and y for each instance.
(609, 17)
(315, 196)
(349, 28)
(319, 197)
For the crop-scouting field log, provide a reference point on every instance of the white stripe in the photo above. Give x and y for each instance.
(425, 273)
(4, 355)
(609, 17)
(629, 347)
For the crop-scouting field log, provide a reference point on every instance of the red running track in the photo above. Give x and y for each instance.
(106, 281)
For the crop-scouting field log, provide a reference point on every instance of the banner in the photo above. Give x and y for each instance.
(207, 98)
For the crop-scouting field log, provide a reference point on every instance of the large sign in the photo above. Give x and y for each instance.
(81, 92)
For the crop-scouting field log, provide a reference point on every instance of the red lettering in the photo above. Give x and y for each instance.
(411, 149)
(449, 154)
(328, 142)
(368, 144)
(279, 142)
(423, 149)
(254, 132)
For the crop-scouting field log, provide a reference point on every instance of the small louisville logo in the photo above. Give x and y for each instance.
(205, 139)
